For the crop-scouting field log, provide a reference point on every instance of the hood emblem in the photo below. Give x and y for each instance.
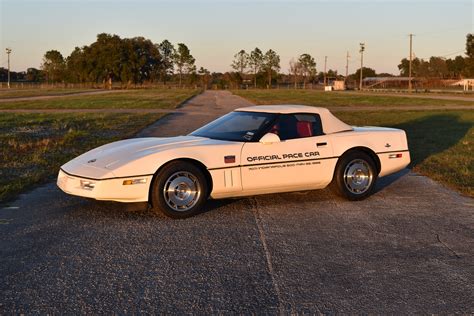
(92, 160)
(388, 145)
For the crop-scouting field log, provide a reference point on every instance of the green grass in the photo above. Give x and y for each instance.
(328, 99)
(34, 146)
(123, 99)
(441, 142)
(30, 92)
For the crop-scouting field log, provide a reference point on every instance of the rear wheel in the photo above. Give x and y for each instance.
(179, 190)
(355, 176)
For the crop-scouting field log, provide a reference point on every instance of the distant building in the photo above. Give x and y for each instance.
(334, 84)
(465, 83)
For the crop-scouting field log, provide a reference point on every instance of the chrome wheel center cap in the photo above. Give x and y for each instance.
(181, 191)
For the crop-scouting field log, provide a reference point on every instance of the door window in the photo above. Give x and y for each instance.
(291, 126)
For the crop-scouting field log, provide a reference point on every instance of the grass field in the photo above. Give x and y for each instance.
(328, 99)
(34, 146)
(21, 93)
(129, 99)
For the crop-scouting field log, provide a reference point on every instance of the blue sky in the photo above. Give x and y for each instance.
(216, 30)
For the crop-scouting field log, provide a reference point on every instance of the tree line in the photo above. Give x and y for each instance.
(125, 60)
(138, 60)
(439, 67)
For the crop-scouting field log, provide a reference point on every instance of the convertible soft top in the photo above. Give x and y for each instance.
(331, 124)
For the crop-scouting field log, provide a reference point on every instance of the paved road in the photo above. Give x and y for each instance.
(407, 249)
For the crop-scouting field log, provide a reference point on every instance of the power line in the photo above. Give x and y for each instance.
(445, 55)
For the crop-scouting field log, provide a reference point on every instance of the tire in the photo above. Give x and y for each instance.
(179, 190)
(355, 176)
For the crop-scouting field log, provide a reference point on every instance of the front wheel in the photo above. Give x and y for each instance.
(179, 190)
(355, 176)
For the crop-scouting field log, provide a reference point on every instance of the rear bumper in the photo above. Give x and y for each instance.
(108, 189)
(391, 163)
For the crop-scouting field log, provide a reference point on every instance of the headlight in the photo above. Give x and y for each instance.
(87, 185)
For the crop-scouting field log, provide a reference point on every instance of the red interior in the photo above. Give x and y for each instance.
(304, 129)
(274, 129)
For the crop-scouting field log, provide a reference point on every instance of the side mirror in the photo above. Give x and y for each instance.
(269, 138)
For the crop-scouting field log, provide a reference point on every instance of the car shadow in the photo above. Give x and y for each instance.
(433, 134)
(143, 210)
(386, 181)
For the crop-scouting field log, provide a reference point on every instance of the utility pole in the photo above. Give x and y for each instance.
(409, 67)
(9, 50)
(325, 62)
(347, 65)
(361, 51)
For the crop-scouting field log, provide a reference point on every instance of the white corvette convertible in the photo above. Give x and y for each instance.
(253, 150)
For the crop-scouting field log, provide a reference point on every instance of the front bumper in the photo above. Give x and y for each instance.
(111, 189)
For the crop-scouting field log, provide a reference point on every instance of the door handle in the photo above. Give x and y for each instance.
(321, 144)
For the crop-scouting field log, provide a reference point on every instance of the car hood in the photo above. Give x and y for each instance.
(109, 155)
(101, 161)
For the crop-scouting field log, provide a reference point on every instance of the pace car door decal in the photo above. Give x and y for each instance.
(292, 162)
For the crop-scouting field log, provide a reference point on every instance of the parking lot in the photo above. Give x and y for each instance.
(406, 249)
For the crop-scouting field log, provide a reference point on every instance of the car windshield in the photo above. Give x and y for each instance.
(236, 126)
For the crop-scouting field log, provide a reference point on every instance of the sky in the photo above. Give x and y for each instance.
(216, 30)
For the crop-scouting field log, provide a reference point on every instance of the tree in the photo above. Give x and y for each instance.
(470, 45)
(167, 52)
(34, 75)
(107, 60)
(456, 66)
(295, 70)
(240, 62)
(438, 67)
(469, 69)
(368, 72)
(308, 67)
(184, 61)
(53, 65)
(205, 76)
(142, 58)
(271, 63)
(76, 66)
(405, 65)
(256, 63)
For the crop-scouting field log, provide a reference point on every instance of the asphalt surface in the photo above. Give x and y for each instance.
(407, 249)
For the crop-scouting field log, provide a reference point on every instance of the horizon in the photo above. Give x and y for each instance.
(215, 31)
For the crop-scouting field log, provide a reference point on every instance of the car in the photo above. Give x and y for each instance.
(252, 150)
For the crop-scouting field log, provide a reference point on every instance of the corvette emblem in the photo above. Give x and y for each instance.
(92, 160)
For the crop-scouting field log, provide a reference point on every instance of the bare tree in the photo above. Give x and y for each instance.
(205, 76)
(241, 62)
(271, 63)
(184, 61)
(256, 63)
(308, 67)
(295, 70)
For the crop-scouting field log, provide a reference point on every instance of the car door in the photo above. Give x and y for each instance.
(300, 160)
